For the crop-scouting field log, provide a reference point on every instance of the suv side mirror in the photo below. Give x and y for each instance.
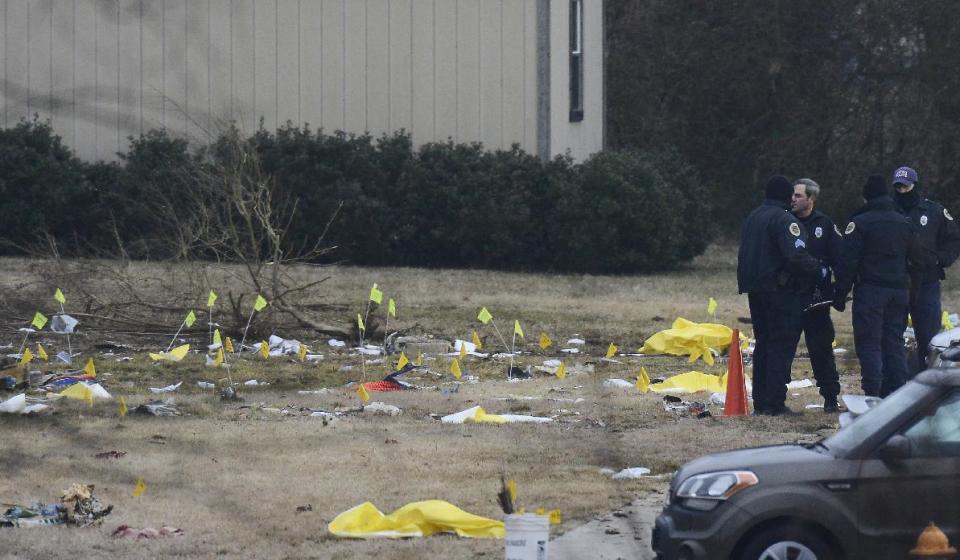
(895, 449)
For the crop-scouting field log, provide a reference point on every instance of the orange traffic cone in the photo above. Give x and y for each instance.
(736, 402)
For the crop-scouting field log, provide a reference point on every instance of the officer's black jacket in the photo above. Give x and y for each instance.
(878, 243)
(823, 240)
(773, 252)
(939, 235)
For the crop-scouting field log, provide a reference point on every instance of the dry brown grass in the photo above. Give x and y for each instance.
(232, 475)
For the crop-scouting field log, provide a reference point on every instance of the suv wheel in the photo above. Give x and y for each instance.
(788, 543)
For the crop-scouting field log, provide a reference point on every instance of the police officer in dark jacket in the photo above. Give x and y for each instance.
(777, 274)
(940, 237)
(823, 244)
(877, 245)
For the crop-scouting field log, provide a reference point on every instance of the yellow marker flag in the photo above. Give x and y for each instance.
(455, 369)
(945, 321)
(41, 352)
(302, 352)
(402, 361)
(218, 360)
(517, 330)
(39, 320)
(216, 337)
(712, 306)
(123, 407)
(545, 341)
(264, 349)
(180, 352)
(228, 345)
(58, 295)
(463, 350)
(484, 316)
(419, 358)
(26, 357)
(612, 350)
(476, 340)
(391, 307)
(555, 518)
(190, 319)
(90, 369)
(260, 303)
(541, 511)
(376, 296)
(512, 489)
(211, 298)
(643, 380)
(139, 489)
(362, 392)
(561, 371)
(360, 323)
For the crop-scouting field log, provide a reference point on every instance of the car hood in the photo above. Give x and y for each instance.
(753, 459)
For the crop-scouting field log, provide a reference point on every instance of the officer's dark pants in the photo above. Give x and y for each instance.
(777, 322)
(819, 334)
(879, 319)
(925, 313)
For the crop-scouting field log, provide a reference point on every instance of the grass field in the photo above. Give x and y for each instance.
(232, 474)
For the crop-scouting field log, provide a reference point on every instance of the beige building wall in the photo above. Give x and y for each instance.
(584, 137)
(103, 70)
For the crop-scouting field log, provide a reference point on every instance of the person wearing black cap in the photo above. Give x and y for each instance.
(823, 244)
(940, 236)
(778, 275)
(878, 247)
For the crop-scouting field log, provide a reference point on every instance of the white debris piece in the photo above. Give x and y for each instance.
(570, 350)
(206, 385)
(800, 384)
(336, 343)
(619, 383)
(167, 389)
(577, 341)
(470, 413)
(381, 408)
(631, 473)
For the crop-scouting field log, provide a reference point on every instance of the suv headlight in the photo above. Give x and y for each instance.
(705, 491)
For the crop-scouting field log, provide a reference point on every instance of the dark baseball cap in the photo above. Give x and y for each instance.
(905, 175)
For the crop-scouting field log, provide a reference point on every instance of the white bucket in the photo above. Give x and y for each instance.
(527, 536)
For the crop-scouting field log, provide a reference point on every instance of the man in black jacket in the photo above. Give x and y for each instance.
(940, 237)
(823, 244)
(777, 274)
(878, 247)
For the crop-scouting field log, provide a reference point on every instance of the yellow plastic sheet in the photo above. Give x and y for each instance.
(416, 519)
(175, 355)
(686, 338)
(692, 382)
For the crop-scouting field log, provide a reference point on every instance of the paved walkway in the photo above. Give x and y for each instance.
(623, 534)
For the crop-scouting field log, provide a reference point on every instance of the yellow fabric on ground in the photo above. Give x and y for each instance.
(692, 382)
(416, 519)
(686, 338)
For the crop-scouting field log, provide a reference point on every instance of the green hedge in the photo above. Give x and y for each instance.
(439, 205)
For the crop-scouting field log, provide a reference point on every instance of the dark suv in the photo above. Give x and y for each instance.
(866, 492)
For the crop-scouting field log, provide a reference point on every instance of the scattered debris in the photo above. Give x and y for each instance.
(336, 343)
(631, 473)
(124, 531)
(206, 385)
(81, 507)
(62, 323)
(167, 389)
(301, 509)
(381, 408)
(110, 454)
(229, 394)
(683, 408)
(158, 408)
(577, 341)
(800, 384)
(618, 383)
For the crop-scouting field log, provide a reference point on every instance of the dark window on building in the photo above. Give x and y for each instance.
(576, 60)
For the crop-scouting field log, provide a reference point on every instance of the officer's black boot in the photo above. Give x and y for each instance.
(830, 405)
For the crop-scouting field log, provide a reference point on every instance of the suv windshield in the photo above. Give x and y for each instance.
(853, 435)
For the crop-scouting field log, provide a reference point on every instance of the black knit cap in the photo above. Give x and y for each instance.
(875, 187)
(779, 189)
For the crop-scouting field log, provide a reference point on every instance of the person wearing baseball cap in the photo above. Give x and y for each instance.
(940, 237)
(877, 249)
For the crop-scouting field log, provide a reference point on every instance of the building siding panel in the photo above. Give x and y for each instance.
(423, 61)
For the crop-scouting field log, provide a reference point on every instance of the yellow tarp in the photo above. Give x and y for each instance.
(692, 382)
(416, 519)
(175, 355)
(686, 338)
